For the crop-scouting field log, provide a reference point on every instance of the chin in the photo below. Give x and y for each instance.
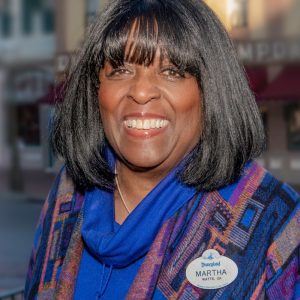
(145, 162)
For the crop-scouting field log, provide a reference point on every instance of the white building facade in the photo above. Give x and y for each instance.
(27, 48)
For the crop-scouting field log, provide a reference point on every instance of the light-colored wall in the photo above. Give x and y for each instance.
(221, 10)
(292, 20)
(103, 3)
(261, 13)
(256, 19)
(71, 23)
(74, 17)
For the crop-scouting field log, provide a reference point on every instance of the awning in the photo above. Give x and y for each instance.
(257, 77)
(285, 87)
(55, 94)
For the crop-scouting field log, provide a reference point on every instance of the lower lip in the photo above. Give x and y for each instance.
(144, 133)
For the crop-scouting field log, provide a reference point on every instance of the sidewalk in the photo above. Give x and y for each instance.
(19, 213)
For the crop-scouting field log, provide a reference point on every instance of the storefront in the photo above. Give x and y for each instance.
(280, 104)
(26, 85)
(273, 69)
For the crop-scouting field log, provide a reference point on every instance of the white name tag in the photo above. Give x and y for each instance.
(211, 271)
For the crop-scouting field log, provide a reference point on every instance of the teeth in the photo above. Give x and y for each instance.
(146, 124)
(139, 124)
(153, 124)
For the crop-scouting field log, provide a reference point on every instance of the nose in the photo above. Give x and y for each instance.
(143, 89)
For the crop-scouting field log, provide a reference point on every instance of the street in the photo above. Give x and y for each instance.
(18, 218)
(19, 213)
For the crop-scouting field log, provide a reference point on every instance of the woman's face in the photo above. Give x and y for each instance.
(151, 115)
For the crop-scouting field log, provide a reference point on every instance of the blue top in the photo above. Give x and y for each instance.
(92, 272)
(114, 253)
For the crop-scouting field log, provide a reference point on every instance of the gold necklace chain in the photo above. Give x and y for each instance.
(120, 193)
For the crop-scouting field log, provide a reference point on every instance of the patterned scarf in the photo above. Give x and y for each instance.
(255, 222)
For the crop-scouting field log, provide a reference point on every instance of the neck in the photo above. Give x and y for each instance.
(135, 184)
(133, 188)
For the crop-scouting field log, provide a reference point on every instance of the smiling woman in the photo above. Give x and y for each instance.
(159, 197)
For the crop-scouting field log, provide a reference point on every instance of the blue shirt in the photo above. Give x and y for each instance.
(93, 274)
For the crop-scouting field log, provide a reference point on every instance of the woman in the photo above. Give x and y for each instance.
(159, 197)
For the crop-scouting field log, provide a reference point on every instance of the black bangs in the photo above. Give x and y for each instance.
(137, 35)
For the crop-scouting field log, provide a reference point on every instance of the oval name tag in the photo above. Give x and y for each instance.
(211, 270)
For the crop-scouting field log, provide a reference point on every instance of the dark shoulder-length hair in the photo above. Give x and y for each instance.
(192, 38)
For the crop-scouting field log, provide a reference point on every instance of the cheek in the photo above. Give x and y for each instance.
(190, 110)
(107, 107)
(189, 99)
(110, 94)
(104, 96)
(109, 102)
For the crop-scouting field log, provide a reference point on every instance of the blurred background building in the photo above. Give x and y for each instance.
(38, 39)
(27, 47)
(267, 37)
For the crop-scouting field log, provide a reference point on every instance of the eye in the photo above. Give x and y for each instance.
(172, 72)
(119, 72)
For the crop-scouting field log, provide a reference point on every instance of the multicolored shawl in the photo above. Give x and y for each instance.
(254, 221)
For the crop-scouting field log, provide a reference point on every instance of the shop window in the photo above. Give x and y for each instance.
(293, 126)
(42, 8)
(29, 8)
(238, 13)
(5, 19)
(48, 16)
(48, 20)
(28, 124)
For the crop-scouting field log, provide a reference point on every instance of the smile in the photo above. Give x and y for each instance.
(145, 124)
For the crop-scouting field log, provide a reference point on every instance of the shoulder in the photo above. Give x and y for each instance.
(261, 205)
(259, 185)
(281, 208)
(61, 204)
(62, 187)
(273, 194)
(58, 216)
(264, 228)
(282, 219)
(60, 193)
